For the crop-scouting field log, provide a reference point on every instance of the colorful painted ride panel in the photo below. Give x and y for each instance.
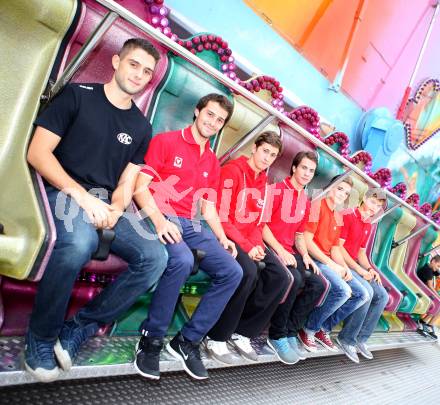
(406, 224)
(179, 92)
(411, 268)
(380, 256)
(24, 228)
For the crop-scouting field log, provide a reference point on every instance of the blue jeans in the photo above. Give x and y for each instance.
(360, 324)
(340, 301)
(223, 269)
(76, 242)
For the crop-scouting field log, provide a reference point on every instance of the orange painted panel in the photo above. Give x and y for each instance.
(319, 29)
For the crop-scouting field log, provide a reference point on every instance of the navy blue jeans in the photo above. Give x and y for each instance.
(76, 242)
(360, 324)
(342, 299)
(223, 269)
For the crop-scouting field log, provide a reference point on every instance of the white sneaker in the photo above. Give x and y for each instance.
(219, 351)
(243, 345)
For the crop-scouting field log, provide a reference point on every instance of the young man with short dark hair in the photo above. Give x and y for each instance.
(90, 140)
(284, 234)
(242, 197)
(181, 177)
(360, 324)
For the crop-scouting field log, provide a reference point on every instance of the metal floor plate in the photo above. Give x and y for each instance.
(395, 376)
(113, 356)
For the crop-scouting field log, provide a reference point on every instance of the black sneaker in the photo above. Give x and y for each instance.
(189, 354)
(147, 358)
(431, 332)
(422, 330)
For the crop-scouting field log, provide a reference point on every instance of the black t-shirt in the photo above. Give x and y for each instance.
(98, 140)
(426, 274)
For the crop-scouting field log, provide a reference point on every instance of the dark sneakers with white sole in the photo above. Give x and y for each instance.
(189, 354)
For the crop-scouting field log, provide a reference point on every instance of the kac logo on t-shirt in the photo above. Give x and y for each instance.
(124, 138)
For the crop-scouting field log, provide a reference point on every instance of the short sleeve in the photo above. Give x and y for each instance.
(138, 157)
(155, 157)
(311, 227)
(345, 231)
(60, 113)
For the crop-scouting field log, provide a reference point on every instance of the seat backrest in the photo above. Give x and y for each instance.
(180, 91)
(293, 143)
(97, 68)
(25, 73)
(380, 255)
(404, 227)
(412, 257)
(395, 296)
(246, 116)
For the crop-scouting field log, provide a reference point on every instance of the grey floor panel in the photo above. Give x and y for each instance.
(395, 376)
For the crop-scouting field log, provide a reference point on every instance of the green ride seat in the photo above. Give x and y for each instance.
(404, 227)
(381, 253)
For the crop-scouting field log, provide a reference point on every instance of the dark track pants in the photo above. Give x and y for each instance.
(256, 298)
(291, 315)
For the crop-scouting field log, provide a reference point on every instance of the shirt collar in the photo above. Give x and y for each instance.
(188, 136)
(289, 185)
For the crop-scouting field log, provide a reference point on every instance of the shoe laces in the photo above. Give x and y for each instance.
(363, 347)
(44, 350)
(282, 345)
(151, 345)
(293, 342)
(326, 336)
(78, 337)
(310, 337)
(243, 341)
(192, 349)
(218, 347)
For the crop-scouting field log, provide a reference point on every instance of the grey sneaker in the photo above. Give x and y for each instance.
(219, 351)
(283, 350)
(363, 349)
(349, 350)
(243, 346)
(295, 345)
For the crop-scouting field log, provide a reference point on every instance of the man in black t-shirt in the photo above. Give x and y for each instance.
(427, 274)
(88, 145)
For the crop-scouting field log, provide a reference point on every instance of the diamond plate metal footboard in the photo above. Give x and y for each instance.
(112, 356)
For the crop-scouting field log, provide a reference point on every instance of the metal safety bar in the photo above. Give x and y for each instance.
(340, 179)
(90, 44)
(247, 138)
(410, 236)
(219, 76)
(430, 251)
(384, 214)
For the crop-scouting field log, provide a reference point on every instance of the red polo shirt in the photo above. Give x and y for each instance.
(355, 233)
(289, 213)
(181, 174)
(325, 229)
